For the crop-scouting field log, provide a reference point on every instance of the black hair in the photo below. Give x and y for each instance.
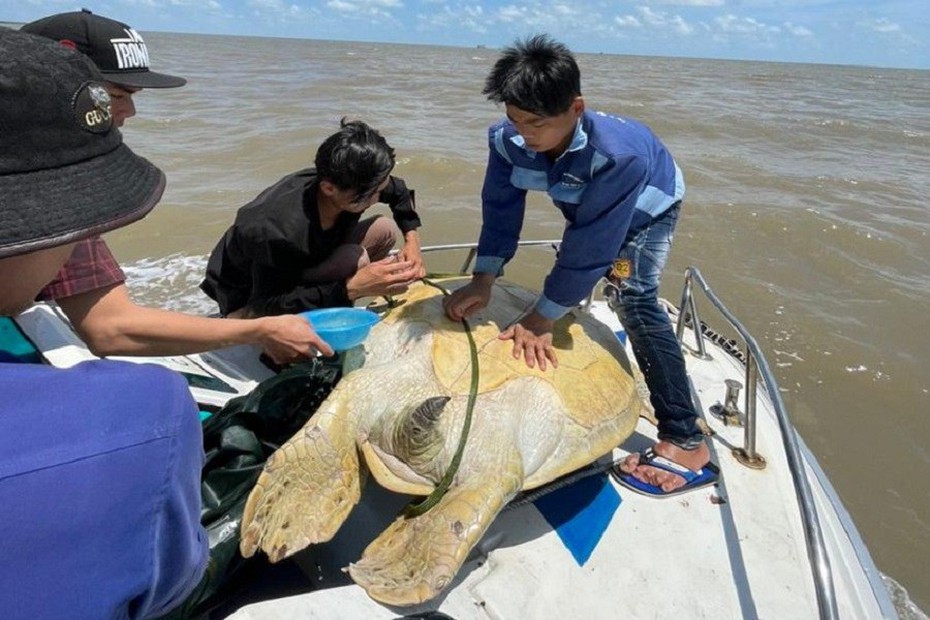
(538, 75)
(355, 158)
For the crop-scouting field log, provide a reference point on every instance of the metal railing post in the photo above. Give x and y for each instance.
(689, 307)
(747, 455)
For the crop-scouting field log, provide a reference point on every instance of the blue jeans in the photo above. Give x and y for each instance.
(634, 299)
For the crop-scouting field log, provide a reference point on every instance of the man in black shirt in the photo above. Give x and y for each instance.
(301, 243)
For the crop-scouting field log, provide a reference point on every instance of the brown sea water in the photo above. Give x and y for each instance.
(805, 210)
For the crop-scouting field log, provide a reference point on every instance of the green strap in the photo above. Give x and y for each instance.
(414, 509)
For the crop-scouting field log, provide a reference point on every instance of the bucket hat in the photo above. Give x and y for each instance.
(117, 50)
(65, 173)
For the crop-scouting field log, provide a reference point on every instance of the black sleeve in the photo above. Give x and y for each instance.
(400, 200)
(228, 280)
(300, 298)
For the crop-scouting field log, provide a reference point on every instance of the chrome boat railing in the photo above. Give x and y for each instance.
(813, 534)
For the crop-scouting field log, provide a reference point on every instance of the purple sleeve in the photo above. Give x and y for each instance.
(99, 491)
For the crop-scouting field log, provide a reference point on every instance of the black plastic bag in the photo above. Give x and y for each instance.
(238, 439)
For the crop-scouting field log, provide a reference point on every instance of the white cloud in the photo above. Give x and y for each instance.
(628, 21)
(798, 31)
(554, 18)
(885, 25)
(191, 3)
(272, 8)
(468, 17)
(365, 7)
(653, 18)
(732, 24)
(688, 2)
(661, 19)
(514, 18)
(680, 26)
(892, 33)
(511, 13)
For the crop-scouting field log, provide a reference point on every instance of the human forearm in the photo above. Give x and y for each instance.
(111, 324)
(150, 331)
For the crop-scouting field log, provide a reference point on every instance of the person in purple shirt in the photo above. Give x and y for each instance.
(620, 192)
(100, 469)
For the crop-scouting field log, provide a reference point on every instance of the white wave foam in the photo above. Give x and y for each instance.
(906, 608)
(170, 282)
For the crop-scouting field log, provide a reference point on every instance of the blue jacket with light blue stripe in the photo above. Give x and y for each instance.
(613, 179)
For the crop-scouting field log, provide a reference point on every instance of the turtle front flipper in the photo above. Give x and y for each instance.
(308, 487)
(415, 559)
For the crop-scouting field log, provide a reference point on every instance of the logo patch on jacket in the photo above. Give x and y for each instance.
(621, 269)
(571, 181)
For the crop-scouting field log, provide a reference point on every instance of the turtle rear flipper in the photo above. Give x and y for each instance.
(307, 489)
(415, 559)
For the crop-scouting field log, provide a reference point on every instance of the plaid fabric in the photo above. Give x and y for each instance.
(91, 266)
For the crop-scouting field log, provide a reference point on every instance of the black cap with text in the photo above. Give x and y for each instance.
(117, 50)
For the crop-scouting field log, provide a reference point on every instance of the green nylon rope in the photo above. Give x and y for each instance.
(414, 509)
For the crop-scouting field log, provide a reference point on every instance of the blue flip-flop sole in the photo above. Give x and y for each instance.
(706, 476)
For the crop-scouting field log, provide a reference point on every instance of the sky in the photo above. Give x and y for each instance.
(879, 33)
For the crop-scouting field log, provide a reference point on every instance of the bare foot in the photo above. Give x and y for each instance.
(666, 480)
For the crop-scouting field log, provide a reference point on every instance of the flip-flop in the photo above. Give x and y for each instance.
(706, 476)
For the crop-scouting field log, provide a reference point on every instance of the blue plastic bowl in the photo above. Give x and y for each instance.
(341, 328)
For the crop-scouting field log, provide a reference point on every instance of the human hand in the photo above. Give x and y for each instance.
(470, 298)
(411, 252)
(532, 338)
(289, 337)
(387, 276)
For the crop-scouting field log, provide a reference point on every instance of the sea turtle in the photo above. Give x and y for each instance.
(402, 404)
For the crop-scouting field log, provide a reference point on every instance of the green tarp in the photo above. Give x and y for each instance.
(238, 439)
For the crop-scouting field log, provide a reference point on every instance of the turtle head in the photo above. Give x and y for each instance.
(416, 435)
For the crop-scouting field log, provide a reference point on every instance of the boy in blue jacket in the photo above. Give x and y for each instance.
(620, 192)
